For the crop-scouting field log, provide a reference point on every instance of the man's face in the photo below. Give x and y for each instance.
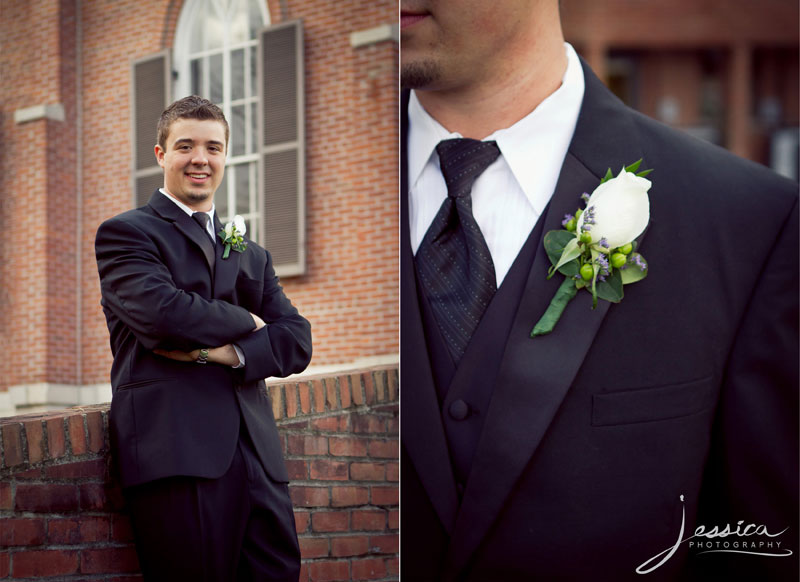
(193, 161)
(450, 44)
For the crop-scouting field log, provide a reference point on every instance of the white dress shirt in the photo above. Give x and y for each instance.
(210, 230)
(509, 197)
(189, 211)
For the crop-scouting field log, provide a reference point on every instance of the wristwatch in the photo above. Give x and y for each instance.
(202, 358)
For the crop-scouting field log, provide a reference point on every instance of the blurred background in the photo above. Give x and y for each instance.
(723, 70)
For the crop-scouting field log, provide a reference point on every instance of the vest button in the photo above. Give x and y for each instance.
(459, 409)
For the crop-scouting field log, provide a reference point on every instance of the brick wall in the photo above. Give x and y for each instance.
(62, 516)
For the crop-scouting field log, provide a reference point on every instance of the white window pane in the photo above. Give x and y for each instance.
(238, 28)
(242, 189)
(238, 128)
(197, 31)
(237, 74)
(253, 64)
(221, 198)
(215, 78)
(196, 67)
(252, 142)
(256, 17)
(215, 31)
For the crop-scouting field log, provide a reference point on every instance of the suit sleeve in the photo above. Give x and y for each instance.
(138, 289)
(753, 468)
(283, 346)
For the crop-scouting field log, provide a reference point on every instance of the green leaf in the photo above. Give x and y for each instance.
(571, 252)
(608, 176)
(634, 166)
(558, 303)
(632, 273)
(555, 242)
(611, 288)
(643, 173)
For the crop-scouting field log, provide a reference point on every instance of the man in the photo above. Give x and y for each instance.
(602, 447)
(193, 333)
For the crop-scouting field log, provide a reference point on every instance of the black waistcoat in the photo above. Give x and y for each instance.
(464, 392)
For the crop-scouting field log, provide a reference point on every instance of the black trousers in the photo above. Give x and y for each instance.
(239, 527)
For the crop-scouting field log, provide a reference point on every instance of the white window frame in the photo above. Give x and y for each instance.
(182, 58)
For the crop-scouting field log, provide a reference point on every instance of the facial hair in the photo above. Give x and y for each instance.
(419, 75)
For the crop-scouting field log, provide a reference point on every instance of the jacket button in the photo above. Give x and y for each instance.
(459, 410)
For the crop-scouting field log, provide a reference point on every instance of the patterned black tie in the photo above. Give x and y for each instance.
(453, 260)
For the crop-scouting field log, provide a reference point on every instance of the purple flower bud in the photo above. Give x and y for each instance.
(602, 260)
(567, 218)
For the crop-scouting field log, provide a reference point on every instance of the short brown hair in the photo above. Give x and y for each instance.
(191, 107)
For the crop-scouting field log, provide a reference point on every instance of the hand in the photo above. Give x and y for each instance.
(258, 321)
(225, 355)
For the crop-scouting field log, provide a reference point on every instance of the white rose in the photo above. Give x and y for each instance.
(618, 210)
(241, 227)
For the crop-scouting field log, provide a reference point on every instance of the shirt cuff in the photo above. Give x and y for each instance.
(241, 356)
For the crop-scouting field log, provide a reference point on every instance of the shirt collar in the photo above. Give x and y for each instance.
(424, 134)
(185, 208)
(551, 123)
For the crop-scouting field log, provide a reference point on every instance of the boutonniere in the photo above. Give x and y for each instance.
(596, 250)
(232, 236)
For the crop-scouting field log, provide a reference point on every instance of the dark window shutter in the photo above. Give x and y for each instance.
(151, 79)
(282, 146)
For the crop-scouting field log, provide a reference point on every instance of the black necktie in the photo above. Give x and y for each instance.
(453, 261)
(202, 219)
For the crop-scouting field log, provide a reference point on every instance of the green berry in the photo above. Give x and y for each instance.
(570, 226)
(587, 272)
(626, 249)
(586, 237)
(618, 259)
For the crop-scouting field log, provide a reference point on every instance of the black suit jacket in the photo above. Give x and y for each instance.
(594, 432)
(174, 418)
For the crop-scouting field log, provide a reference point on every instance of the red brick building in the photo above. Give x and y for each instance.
(724, 70)
(312, 165)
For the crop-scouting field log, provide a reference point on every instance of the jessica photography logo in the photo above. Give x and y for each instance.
(750, 538)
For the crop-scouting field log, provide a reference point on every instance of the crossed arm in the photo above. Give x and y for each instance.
(225, 355)
(138, 289)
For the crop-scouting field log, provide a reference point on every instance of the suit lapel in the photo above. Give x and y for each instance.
(535, 374)
(226, 270)
(423, 432)
(185, 225)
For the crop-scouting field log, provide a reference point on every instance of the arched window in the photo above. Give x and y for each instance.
(215, 56)
(226, 51)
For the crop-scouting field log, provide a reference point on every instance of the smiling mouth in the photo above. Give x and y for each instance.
(410, 18)
(198, 176)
